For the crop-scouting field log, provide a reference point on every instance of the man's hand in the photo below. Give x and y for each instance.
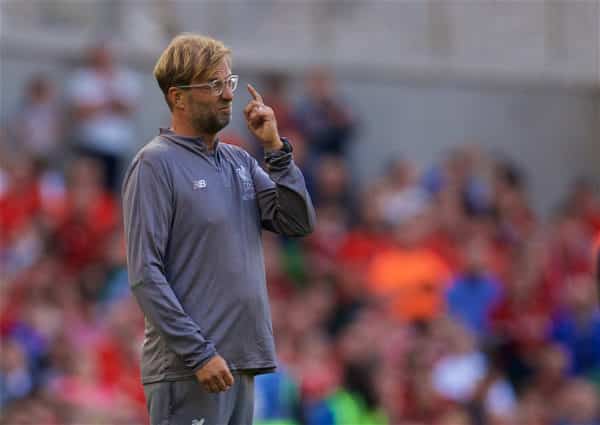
(215, 376)
(261, 121)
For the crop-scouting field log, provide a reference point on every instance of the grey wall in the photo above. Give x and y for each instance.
(553, 133)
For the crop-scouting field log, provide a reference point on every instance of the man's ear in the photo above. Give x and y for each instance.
(176, 98)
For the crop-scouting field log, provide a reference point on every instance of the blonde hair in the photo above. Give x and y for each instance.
(189, 58)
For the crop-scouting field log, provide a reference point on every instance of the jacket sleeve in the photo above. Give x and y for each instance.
(148, 210)
(284, 203)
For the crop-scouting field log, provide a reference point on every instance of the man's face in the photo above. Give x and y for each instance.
(208, 113)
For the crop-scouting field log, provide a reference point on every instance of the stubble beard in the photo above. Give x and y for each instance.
(210, 123)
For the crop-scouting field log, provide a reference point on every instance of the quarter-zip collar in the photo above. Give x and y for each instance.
(195, 144)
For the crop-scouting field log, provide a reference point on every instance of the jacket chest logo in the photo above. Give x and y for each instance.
(199, 184)
(243, 174)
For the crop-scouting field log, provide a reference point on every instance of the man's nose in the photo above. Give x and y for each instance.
(227, 93)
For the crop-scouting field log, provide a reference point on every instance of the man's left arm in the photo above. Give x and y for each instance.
(284, 203)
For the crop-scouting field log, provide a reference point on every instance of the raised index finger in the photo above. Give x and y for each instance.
(255, 94)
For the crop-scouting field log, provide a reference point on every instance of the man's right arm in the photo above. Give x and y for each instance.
(148, 211)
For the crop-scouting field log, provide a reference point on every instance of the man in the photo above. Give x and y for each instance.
(327, 123)
(194, 207)
(104, 98)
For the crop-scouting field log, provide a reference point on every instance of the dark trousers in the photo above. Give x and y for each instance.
(187, 403)
(112, 165)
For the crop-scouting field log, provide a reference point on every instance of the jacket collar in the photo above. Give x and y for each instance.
(195, 144)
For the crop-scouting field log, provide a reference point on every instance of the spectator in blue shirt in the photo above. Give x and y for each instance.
(473, 292)
(577, 326)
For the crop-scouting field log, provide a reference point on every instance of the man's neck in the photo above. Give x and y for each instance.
(187, 131)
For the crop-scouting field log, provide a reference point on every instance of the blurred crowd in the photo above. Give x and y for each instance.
(432, 296)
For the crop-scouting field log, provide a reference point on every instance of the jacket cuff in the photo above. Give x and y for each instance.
(279, 160)
(210, 353)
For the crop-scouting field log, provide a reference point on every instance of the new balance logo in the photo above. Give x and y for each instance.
(199, 184)
(198, 422)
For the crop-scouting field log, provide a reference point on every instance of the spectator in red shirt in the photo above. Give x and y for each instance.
(89, 216)
(584, 201)
(596, 259)
(20, 199)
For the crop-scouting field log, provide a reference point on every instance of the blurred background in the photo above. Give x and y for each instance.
(452, 151)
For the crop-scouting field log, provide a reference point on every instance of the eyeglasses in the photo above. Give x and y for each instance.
(217, 86)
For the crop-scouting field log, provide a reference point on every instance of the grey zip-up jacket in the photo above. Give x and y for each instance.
(193, 224)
